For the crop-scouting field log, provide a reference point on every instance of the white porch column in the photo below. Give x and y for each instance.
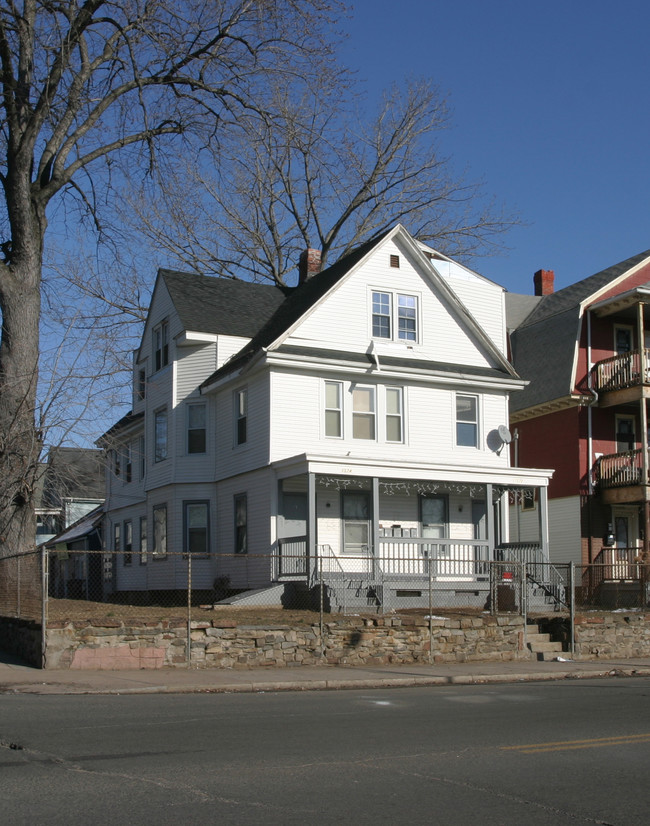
(375, 524)
(311, 520)
(489, 515)
(543, 521)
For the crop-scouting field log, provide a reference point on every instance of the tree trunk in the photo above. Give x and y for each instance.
(20, 440)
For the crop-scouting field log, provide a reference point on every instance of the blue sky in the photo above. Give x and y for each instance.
(551, 108)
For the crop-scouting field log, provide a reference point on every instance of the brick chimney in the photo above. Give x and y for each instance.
(308, 265)
(543, 281)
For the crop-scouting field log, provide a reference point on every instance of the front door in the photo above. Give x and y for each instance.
(625, 536)
(357, 509)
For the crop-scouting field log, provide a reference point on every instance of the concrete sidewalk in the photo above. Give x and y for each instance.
(18, 678)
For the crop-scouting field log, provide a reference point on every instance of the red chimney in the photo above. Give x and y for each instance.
(543, 281)
(308, 265)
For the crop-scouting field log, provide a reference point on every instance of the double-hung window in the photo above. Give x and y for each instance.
(117, 538)
(467, 421)
(241, 523)
(143, 540)
(196, 517)
(196, 430)
(381, 315)
(363, 412)
(128, 543)
(160, 435)
(386, 307)
(241, 416)
(128, 462)
(161, 345)
(394, 416)
(160, 531)
(333, 409)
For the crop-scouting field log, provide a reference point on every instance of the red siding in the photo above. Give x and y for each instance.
(554, 441)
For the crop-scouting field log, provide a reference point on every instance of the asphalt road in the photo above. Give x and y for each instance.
(533, 753)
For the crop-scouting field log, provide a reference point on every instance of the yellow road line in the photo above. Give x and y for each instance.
(565, 745)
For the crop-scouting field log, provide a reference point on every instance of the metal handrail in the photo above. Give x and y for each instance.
(539, 571)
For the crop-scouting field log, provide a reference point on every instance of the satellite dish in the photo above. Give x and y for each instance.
(504, 434)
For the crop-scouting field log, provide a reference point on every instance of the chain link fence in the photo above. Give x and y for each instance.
(65, 586)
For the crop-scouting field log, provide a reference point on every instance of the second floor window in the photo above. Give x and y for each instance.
(128, 463)
(333, 409)
(363, 412)
(161, 345)
(241, 416)
(160, 435)
(467, 421)
(196, 431)
(394, 428)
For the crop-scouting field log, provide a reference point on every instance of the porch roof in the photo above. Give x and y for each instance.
(468, 474)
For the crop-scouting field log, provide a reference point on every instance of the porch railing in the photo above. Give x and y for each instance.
(617, 470)
(436, 557)
(615, 564)
(540, 573)
(620, 371)
(292, 557)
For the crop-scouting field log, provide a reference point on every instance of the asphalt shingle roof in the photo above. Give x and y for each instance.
(544, 339)
(208, 304)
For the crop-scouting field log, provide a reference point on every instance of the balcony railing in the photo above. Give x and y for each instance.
(620, 470)
(620, 371)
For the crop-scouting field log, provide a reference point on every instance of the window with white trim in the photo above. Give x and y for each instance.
(394, 415)
(143, 540)
(160, 434)
(117, 534)
(128, 543)
(161, 345)
(241, 523)
(363, 412)
(241, 416)
(196, 428)
(160, 531)
(333, 409)
(386, 307)
(466, 421)
(196, 524)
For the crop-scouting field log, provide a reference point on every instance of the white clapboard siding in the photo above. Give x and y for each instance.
(194, 364)
(253, 569)
(485, 302)
(343, 322)
(254, 453)
(297, 417)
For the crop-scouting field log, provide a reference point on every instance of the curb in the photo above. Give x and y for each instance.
(329, 685)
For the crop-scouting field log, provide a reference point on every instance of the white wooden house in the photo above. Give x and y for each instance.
(349, 425)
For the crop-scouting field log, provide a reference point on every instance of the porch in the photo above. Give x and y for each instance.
(387, 541)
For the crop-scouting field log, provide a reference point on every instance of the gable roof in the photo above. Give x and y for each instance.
(209, 304)
(552, 327)
(302, 298)
(295, 305)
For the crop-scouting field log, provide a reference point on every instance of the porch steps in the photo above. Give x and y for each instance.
(541, 645)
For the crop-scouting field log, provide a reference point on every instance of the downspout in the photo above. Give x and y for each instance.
(644, 429)
(590, 483)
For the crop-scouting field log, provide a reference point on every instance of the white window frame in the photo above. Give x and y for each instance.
(364, 415)
(240, 412)
(159, 550)
(333, 410)
(461, 422)
(143, 540)
(187, 527)
(240, 544)
(161, 345)
(400, 320)
(389, 416)
(128, 542)
(160, 450)
(189, 429)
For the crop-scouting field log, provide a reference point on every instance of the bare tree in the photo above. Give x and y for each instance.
(82, 82)
(317, 172)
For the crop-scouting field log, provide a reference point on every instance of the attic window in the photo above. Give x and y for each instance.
(161, 345)
(394, 261)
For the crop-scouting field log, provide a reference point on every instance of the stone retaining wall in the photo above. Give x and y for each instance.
(113, 644)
